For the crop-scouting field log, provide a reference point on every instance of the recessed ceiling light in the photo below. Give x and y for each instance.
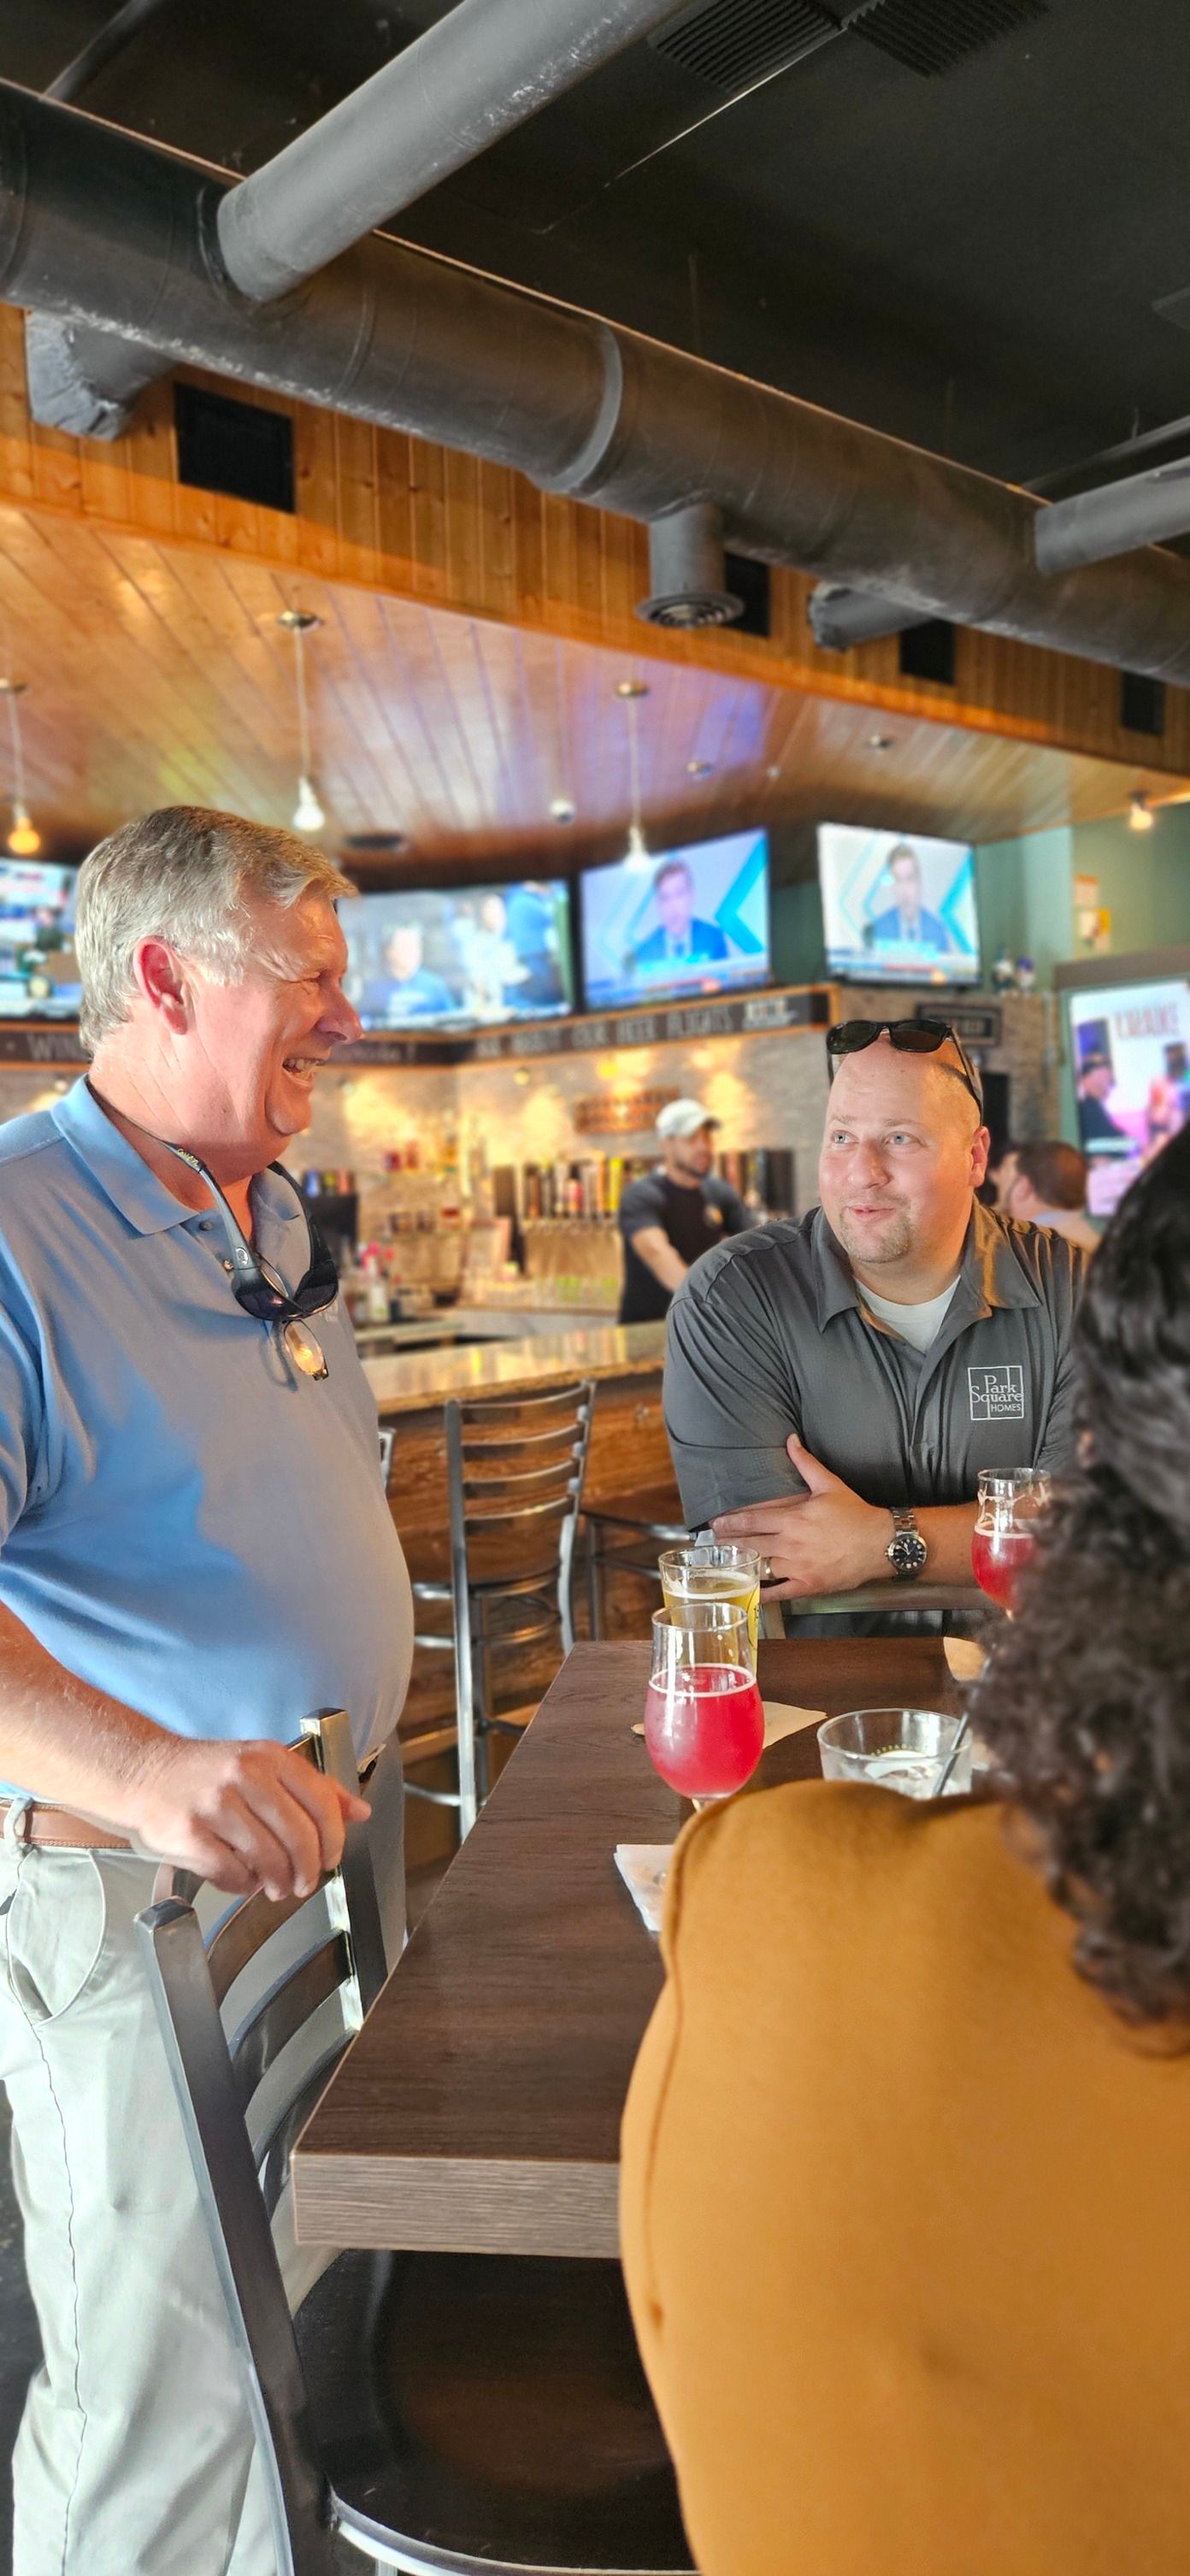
(562, 809)
(881, 741)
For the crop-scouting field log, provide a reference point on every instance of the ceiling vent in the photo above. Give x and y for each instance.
(733, 44)
(933, 36)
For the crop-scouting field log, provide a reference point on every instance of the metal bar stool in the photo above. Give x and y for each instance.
(631, 1515)
(515, 1469)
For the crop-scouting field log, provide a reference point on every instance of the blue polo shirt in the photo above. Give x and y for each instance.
(185, 1522)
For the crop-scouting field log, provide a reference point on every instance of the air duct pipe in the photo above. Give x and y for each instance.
(106, 231)
(841, 618)
(687, 571)
(475, 76)
(1115, 519)
(478, 74)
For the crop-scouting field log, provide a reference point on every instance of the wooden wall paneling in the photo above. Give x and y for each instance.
(377, 507)
(427, 492)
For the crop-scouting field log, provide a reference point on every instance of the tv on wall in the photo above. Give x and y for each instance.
(38, 970)
(898, 907)
(1130, 1060)
(463, 958)
(696, 920)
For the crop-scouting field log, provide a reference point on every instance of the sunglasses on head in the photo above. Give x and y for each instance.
(910, 1037)
(259, 1295)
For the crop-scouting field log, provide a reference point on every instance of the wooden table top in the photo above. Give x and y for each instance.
(479, 2108)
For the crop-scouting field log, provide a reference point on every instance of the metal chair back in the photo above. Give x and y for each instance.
(293, 1978)
(515, 1467)
(209, 2089)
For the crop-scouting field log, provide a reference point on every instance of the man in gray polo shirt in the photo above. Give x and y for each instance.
(833, 1388)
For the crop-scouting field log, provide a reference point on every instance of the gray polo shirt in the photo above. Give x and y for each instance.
(767, 1336)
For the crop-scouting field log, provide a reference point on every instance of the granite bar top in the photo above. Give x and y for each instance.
(416, 1381)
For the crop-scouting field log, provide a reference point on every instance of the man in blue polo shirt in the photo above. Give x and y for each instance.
(195, 1552)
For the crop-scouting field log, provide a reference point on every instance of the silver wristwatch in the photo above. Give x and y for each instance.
(907, 1551)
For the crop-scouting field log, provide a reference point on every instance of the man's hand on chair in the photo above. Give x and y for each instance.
(243, 1815)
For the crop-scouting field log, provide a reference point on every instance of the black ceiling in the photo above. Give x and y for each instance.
(953, 218)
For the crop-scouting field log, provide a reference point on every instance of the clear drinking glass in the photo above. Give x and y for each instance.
(704, 1723)
(705, 1571)
(1011, 1501)
(894, 1748)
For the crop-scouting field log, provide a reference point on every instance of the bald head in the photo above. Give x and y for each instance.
(903, 1152)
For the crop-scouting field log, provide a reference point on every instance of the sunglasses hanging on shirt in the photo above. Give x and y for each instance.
(261, 1294)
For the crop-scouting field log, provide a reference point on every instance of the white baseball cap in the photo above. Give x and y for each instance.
(684, 1118)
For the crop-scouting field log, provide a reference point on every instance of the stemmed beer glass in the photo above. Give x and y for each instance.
(704, 1722)
(1010, 1504)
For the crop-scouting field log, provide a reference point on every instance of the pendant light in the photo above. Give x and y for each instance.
(636, 857)
(307, 814)
(24, 839)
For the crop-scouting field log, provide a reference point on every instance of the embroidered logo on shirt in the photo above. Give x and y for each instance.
(997, 1394)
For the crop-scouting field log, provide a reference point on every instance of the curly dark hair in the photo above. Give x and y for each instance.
(1085, 1701)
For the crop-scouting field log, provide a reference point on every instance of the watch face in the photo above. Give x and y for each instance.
(908, 1552)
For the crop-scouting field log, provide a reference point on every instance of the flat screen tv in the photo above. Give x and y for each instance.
(1130, 1059)
(464, 958)
(696, 920)
(38, 971)
(898, 907)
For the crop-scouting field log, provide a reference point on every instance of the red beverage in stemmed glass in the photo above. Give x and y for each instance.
(704, 1721)
(706, 1736)
(1010, 1502)
(998, 1559)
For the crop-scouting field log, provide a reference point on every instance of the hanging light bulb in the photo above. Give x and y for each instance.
(1141, 817)
(307, 814)
(24, 839)
(636, 857)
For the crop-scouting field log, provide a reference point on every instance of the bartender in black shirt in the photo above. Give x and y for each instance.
(675, 1213)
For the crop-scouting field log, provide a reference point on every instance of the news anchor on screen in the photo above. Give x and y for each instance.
(681, 938)
(907, 923)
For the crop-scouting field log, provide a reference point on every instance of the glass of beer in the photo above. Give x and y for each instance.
(1010, 1504)
(705, 1571)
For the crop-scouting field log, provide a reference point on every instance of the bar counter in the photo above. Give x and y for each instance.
(409, 1381)
(628, 1454)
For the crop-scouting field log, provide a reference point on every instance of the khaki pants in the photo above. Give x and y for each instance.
(135, 2456)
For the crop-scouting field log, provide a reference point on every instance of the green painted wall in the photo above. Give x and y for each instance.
(1026, 899)
(1144, 878)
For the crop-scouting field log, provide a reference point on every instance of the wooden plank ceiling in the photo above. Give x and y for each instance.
(157, 673)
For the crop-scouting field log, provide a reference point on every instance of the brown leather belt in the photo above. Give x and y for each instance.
(56, 1825)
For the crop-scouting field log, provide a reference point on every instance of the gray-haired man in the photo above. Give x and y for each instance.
(194, 1552)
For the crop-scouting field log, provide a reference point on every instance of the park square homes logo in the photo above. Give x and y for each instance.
(997, 1394)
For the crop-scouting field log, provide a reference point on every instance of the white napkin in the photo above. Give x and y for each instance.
(644, 1868)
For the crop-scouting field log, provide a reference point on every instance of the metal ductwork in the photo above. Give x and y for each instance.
(480, 72)
(841, 618)
(1116, 518)
(109, 233)
(476, 75)
(687, 571)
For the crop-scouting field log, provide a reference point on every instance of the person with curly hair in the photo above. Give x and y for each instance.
(905, 2198)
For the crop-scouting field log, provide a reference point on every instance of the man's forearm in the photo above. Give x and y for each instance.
(947, 1530)
(73, 1745)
